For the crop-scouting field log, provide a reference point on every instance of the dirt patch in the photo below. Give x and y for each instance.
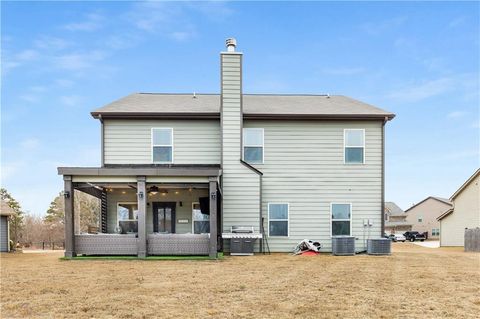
(414, 281)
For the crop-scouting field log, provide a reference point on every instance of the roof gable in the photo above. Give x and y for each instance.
(440, 199)
(471, 179)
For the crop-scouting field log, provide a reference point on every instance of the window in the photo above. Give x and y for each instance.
(420, 218)
(435, 232)
(354, 143)
(341, 219)
(386, 217)
(127, 217)
(162, 145)
(253, 145)
(201, 222)
(278, 219)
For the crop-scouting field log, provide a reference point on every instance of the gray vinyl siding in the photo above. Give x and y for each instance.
(185, 197)
(304, 167)
(129, 141)
(240, 185)
(4, 234)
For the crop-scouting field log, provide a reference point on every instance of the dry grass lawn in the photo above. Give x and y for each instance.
(414, 281)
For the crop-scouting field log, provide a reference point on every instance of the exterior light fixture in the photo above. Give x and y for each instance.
(176, 192)
(153, 190)
(124, 192)
(66, 194)
(140, 195)
(213, 195)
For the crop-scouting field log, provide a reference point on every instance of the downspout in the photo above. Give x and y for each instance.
(260, 176)
(383, 178)
(102, 137)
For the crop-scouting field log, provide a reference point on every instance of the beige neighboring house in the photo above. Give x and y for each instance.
(395, 219)
(465, 213)
(423, 216)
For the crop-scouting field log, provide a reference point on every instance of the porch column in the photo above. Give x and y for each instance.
(142, 214)
(69, 217)
(213, 217)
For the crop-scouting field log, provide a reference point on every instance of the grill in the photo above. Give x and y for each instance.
(242, 240)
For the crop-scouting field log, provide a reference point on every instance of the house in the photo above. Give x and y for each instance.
(395, 219)
(5, 213)
(423, 215)
(465, 213)
(178, 171)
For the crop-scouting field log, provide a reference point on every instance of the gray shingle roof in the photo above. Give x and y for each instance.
(393, 209)
(253, 105)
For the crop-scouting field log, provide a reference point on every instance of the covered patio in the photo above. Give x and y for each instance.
(172, 210)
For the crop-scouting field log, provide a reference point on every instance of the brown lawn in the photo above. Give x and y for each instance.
(414, 281)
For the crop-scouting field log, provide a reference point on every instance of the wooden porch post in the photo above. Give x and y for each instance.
(213, 218)
(142, 212)
(69, 217)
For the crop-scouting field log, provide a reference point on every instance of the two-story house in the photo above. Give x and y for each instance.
(423, 215)
(178, 170)
(395, 219)
(464, 213)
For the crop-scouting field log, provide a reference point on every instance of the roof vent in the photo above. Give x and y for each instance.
(231, 44)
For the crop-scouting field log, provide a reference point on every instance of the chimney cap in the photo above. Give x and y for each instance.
(231, 44)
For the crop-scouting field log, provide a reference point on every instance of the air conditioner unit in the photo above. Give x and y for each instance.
(379, 246)
(343, 245)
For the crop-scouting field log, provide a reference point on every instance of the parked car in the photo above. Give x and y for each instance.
(397, 237)
(414, 235)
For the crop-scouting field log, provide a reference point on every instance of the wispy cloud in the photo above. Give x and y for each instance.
(92, 22)
(456, 114)
(51, 43)
(379, 27)
(456, 22)
(79, 61)
(464, 85)
(70, 100)
(423, 90)
(181, 35)
(343, 71)
(30, 143)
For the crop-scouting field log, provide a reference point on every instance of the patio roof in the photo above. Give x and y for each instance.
(172, 170)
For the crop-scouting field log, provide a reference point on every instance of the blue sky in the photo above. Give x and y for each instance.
(419, 60)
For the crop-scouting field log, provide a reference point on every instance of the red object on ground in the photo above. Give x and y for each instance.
(309, 253)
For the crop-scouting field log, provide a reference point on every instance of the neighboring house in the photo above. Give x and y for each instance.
(178, 170)
(423, 216)
(465, 213)
(395, 219)
(5, 213)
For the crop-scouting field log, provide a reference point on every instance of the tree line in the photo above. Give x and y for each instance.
(27, 229)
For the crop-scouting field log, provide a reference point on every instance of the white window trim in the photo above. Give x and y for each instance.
(419, 217)
(127, 220)
(345, 145)
(152, 145)
(279, 220)
(253, 145)
(343, 219)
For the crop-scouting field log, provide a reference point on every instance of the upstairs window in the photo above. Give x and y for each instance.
(162, 145)
(278, 219)
(354, 143)
(341, 219)
(253, 145)
(420, 218)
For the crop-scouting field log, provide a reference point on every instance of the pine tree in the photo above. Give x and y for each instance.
(16, 221)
